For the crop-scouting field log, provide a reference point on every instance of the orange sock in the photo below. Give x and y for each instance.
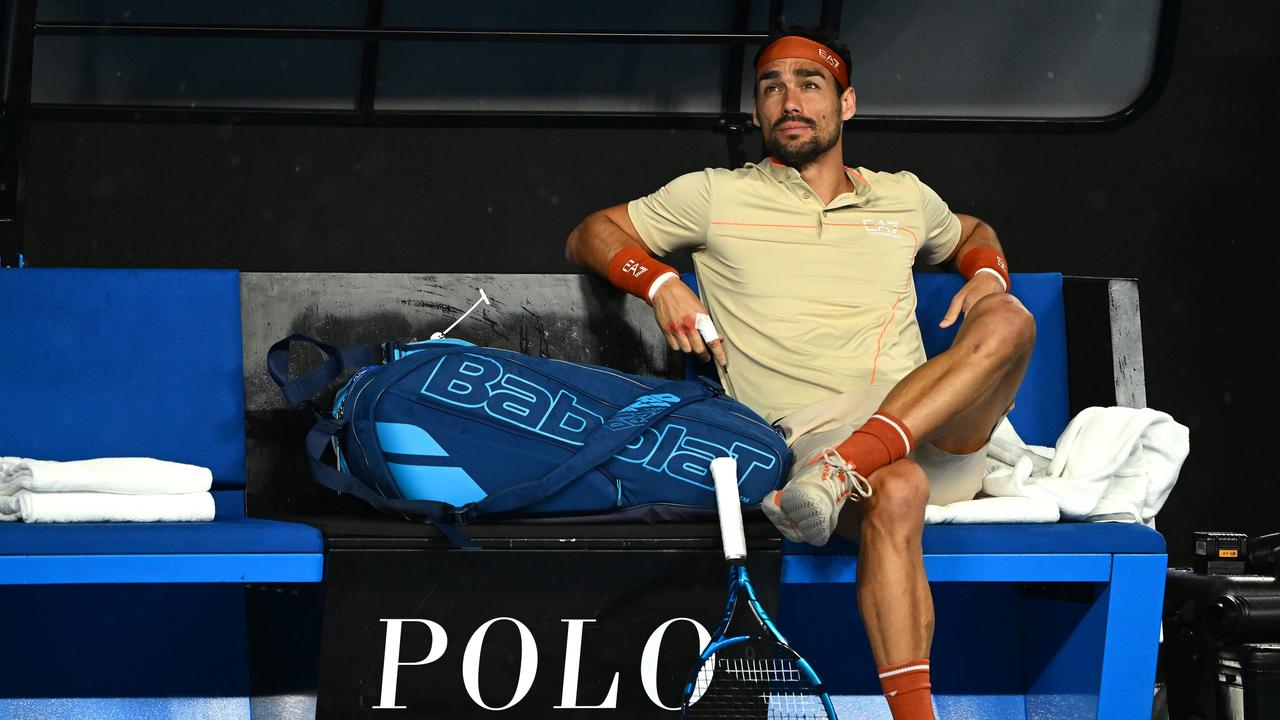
(906, 687)
(880, 441)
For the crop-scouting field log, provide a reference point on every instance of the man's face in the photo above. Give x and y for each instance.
(800, 109)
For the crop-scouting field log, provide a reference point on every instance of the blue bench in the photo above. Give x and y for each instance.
(142, 363)
(1034, 620)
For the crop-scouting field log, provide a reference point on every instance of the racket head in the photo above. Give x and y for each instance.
(755, 673)
(754, 676)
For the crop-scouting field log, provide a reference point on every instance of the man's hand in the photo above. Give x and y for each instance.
(982, 285)
(676, 306)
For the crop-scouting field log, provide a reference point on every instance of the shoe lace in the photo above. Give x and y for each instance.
(858, 485)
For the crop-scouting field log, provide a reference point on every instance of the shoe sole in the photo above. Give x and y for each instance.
(810, 509)
(780, 521)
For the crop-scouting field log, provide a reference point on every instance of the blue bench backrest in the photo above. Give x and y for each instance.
(1041, 410)
(112, 363)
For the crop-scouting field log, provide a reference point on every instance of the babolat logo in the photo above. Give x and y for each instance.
(639, 412)
(540, 404)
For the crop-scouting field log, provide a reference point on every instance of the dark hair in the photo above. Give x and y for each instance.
(814, 33)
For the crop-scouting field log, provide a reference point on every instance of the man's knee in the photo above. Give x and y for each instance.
(1008, 328)
(899, 494)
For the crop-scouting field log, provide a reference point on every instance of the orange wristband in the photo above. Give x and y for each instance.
(984, 259)
(633, 270)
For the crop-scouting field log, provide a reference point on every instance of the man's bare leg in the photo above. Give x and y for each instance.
(955, 400)
(952, 401)
(893, 593)
(957, 397)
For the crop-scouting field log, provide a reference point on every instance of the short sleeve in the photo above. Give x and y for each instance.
(942, 227)
(676, 216)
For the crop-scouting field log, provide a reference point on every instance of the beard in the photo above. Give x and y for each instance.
(801, 153)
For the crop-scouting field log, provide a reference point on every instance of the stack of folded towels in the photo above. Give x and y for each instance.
(104, 490)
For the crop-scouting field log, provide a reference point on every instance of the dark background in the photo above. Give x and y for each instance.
(1179, 198)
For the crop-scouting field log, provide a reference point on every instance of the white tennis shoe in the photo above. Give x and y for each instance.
(808, 507)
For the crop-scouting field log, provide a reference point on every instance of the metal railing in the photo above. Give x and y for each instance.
(730, 120)
(23, 29)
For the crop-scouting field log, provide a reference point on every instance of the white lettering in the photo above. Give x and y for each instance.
(572, 661)
(649, 659)
(881, 227)
(528, 663)
(634, 268)
(391, 657)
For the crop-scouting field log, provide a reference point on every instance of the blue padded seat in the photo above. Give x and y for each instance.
(231, 532)
(136, 363)
(1001, 539)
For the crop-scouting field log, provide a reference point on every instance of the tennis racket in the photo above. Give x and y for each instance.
(752, 674)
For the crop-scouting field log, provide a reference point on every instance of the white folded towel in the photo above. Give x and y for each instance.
(126, 476)
(59, 507)
(993, 510)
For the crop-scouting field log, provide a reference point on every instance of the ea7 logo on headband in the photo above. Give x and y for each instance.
(831, 59)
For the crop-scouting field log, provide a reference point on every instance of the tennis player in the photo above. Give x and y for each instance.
(805, 266)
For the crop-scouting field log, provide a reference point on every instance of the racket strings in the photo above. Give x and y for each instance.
(751, 682)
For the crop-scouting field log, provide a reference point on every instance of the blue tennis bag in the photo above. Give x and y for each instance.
(449, 432)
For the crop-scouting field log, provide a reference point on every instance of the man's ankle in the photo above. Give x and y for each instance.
(879, 442)
(908, 690)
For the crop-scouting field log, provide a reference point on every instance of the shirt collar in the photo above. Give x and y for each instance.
(787, 174)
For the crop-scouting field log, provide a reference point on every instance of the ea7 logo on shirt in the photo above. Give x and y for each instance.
(881, 227)
(831, 59)
(634, 268)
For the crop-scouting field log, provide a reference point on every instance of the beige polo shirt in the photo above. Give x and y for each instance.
(812, 300)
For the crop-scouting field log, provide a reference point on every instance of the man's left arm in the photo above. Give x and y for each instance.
(979, 257)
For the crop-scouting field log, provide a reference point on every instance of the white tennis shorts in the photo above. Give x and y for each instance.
(827, 423)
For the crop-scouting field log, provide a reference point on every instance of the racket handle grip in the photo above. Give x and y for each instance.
(724, 472)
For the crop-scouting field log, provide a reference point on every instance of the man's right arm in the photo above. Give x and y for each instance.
(600, 236)
(597, 241)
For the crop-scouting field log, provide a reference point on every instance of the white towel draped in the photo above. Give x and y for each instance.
(1110, 464)
(65, 507)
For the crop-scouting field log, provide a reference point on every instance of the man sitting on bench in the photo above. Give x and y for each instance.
(806, 268)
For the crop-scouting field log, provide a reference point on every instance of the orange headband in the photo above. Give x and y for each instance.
(793, 46)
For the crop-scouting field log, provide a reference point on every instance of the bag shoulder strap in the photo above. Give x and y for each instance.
(620, 430)
(312, 382)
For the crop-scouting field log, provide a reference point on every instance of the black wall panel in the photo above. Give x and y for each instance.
(1180, 198)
